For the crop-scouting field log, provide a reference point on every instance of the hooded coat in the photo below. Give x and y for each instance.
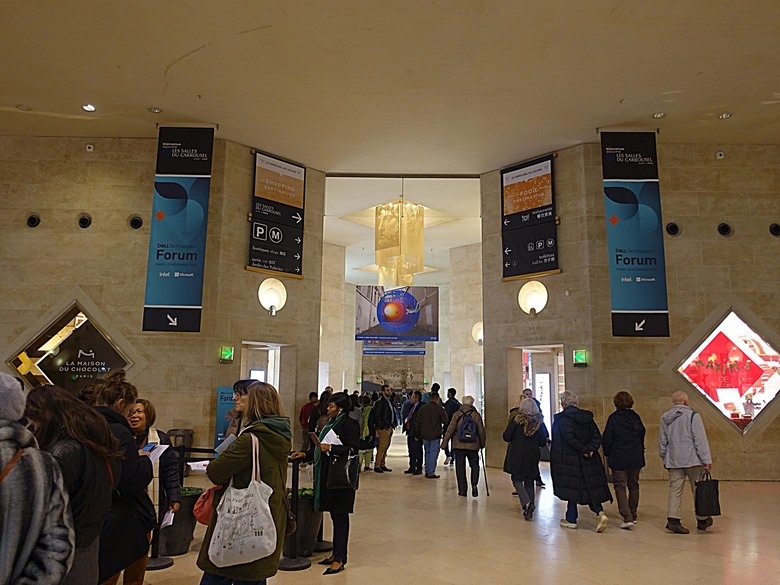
(624, 440)
(577, 478)
(525, 435)
(452, 429)
(682, 440)
(36, 531)
(236, 462)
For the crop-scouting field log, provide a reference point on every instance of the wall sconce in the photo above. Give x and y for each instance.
(580, 358)
(532, 297)
(478, 333)
(272, 295)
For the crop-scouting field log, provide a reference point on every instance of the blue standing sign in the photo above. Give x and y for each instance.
(225, 405)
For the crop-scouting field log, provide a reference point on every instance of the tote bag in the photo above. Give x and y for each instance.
(707, 496)
(244, 531)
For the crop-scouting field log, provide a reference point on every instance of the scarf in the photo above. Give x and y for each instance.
(318, 459)
(530, 424)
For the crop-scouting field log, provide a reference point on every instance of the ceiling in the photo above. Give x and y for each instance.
(410, 87)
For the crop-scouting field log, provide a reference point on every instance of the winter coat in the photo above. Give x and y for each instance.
(452, 429)
(624, 440)
(367, 430)
(384, 414)
(36, 531)
(235, 462)
(342, 500)
(577, 478)
(409, 411)
(131, 517)
(522, 454)
(314, 418)
(166, 470)
(682, 440)
(451, 407)
(89, 480)
(430, 423)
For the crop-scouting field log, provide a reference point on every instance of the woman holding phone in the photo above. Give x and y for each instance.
(339, 502)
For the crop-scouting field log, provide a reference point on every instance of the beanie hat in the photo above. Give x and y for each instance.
(12, 399)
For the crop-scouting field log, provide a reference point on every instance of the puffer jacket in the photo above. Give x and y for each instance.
(577, 478)
(36, 530)
(682, 440)
(452, 429)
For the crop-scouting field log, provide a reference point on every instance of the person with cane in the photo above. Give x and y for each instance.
(467, 432)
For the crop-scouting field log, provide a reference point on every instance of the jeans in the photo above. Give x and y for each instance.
(340, 535)
(525, 489)
(415, 448)
(627, 503)
(460, 468)
(212, 579)
(571, 510)
(431, 455)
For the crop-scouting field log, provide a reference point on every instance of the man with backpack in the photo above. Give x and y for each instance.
(468, 436)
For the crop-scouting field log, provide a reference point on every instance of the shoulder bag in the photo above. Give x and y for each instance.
(244, 531)
(343, 472)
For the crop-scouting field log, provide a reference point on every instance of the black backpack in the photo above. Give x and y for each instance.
(467, 429)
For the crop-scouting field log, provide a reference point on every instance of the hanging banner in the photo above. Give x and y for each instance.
(276, 219)
(637, 269)
(528, 224)
(177, 241)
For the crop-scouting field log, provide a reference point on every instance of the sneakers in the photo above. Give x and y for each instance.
(528, 511)
(627, 525)
(432, 476)
(704, 524)
(566, 524)
(378, 470)
(447, 460)
(409, 471)
(677, 528)
(601, 522)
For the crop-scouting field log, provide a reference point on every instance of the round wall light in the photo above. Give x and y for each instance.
(478, 332)
(272, 295)
(532, 297)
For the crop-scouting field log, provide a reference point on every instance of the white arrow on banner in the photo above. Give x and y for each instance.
(297, 217)
(640, 326)
(172, 321)
(507, 250)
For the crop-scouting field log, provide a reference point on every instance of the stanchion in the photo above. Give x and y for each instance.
(294, 562)
(156, 562)
(322, 545)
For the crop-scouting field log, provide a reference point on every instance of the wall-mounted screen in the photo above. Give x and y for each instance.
(406, 313)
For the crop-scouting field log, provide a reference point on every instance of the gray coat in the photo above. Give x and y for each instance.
(682, 440)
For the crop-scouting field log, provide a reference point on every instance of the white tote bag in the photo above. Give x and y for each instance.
(245, 529)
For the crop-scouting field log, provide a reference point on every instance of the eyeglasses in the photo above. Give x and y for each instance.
(136, 411)
(239, 393)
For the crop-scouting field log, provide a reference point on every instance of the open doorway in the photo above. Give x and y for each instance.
(541, 368)
(260, 361)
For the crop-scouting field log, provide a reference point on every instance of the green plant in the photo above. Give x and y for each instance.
(303, 493)
(191, 491)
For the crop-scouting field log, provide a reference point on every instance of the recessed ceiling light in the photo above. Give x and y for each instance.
(155, 110)
(23, 108)
(724, 116)
(659, 114)
(88, 108)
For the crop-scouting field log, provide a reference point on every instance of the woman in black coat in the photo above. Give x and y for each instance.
(624, 446)
(339, 502)
(525, 434)
(577, 472)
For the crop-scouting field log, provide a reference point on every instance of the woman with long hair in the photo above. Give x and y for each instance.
(264, 418)
(124, 541)
(80, 441)
(339, 502)
(237, 416)
(525, 432)
(141, 419)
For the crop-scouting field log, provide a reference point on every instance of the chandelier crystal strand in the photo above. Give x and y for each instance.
(399, 241)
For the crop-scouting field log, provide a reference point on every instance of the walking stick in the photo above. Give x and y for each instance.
(484, 471)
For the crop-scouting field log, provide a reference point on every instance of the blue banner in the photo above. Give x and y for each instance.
(635, 231)
(225, 405)
(177, 240)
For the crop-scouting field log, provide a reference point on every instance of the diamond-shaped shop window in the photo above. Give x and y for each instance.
(736, 369)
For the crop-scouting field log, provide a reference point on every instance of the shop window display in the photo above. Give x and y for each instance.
(736, 369)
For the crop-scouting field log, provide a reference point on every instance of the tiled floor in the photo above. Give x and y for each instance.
(415, 530)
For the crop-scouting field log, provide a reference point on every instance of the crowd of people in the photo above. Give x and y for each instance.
(87, 495)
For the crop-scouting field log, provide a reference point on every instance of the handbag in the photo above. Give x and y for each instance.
(343, 472)
(707, 497)
(244, 531)
(204, 506)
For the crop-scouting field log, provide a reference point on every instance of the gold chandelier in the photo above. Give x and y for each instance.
(398, 241)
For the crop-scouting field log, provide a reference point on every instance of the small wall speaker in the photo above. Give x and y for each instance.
(774, 229)
(672, 229)
(724, 229)
(135, 222)
(85, 220)
(33, 220)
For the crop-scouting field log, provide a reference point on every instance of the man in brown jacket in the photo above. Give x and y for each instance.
(428, 425)
(466, 444)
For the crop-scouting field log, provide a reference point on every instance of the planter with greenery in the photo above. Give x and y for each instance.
(176, 538)
(308, 521)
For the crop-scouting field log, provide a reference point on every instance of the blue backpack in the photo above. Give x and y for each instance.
(467, 429)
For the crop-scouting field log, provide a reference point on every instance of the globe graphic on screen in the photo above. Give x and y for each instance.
(398, 311)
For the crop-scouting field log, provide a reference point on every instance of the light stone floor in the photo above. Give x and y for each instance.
(415, 530)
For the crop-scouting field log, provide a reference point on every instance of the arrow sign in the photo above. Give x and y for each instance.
(639, 326)
(506, 264)
(297, 269)
(297, 256)
(297, 217)
(506, 222)
(297, 240)
(172, 321)
(507, 250)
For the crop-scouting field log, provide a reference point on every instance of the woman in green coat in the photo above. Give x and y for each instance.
(260, 405)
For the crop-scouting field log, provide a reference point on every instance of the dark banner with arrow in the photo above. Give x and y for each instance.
(529, 238)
